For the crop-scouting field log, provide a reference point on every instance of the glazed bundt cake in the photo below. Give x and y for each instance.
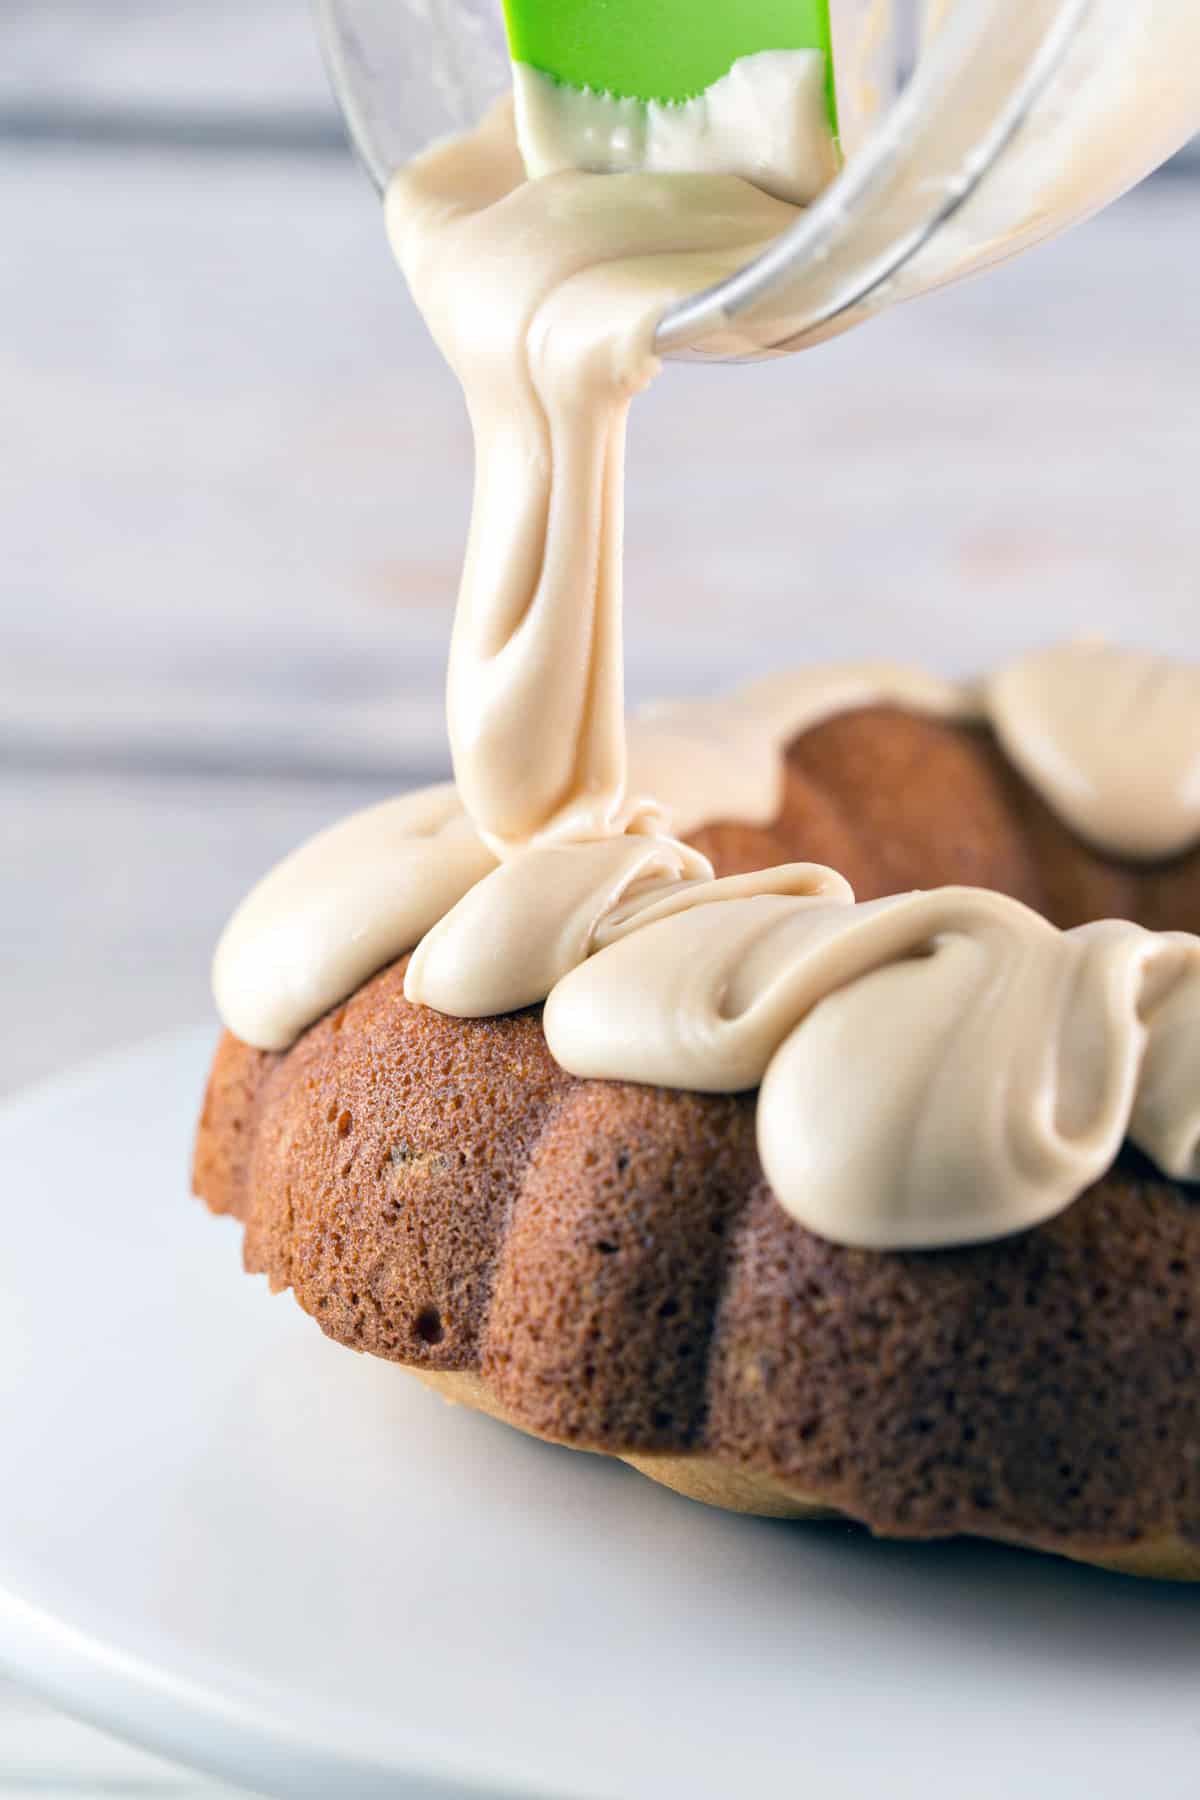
(799, 1202)
(604, 1264)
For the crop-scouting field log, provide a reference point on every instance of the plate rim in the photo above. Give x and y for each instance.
(181, 1714)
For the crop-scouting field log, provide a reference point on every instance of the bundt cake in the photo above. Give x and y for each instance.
(605, 1265)
(795, 1200)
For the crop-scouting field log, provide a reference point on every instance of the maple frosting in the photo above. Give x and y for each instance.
(933, 1068)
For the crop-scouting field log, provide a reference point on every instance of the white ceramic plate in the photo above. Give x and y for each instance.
(235, 1542)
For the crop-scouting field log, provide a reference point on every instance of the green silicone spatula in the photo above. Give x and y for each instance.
(661, 49)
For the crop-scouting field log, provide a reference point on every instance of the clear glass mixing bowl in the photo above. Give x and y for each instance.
(972, 129)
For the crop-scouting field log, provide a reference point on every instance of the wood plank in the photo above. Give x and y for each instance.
(220, 56)
(235, 475)
(115, 890)
(256, 58)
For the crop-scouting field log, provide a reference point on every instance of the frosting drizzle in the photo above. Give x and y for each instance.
(544, 297)
(934, 1068)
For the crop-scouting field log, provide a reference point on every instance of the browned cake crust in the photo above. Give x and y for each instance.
(604, 1264)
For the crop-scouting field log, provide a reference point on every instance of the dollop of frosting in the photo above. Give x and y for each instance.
(536, 918)
(1111, 738)
(342, 906)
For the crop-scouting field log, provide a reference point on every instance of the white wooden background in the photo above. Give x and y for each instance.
(233, 481)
